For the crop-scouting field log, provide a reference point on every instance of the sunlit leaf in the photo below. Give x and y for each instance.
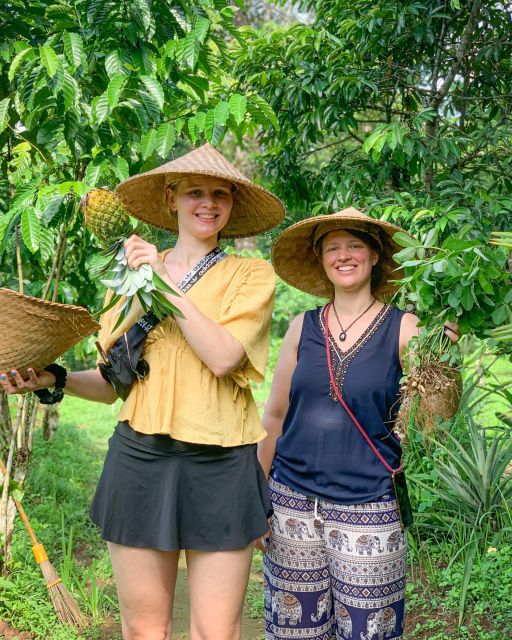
(114, 90)
(30, 229)
(148, 143)
(165, 138)
(74, 48)
(49, 59)
(4, 113)
(238, 107)
(155, 89)
(18, 59)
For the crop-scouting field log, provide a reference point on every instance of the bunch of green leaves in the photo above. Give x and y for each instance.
(462, 280)
(472, 493)
(143, 283)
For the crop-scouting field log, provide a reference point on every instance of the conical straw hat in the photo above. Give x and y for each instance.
(254, 211)
(297, 264)
(36, 332)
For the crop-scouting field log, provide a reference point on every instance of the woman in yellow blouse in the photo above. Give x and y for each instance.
(181, 471)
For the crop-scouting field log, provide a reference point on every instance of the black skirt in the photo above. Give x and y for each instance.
(160, 493)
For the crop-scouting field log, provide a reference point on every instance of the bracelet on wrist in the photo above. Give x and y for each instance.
(52, 397)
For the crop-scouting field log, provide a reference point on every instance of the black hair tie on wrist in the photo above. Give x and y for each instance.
(52, 397)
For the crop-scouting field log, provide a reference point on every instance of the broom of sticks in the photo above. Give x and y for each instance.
(63, 602)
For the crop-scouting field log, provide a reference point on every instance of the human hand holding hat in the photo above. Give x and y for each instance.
(13, 383)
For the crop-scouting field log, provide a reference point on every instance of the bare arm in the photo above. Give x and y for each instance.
(408, 329)
(277, 405)
(212, 343)
(88, 385)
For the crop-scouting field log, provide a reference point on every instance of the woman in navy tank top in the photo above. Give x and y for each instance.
(335, 562)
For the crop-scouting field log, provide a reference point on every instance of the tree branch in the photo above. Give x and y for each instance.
(460, 54)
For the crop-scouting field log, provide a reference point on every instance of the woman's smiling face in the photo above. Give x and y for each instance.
(347, 260)
(202, 203)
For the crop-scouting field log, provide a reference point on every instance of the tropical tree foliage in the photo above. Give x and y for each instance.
(91, 92)
(402, 108)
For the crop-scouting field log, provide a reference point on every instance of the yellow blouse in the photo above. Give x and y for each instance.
(181, 396)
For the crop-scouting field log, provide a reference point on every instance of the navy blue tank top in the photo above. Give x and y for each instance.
(321, 453)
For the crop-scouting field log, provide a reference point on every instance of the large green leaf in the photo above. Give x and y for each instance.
(69, 90)
(200, 121)
(114, 90)
(151, 106)
(165, 138)
(201, 28)
(259, 106)
(145, 15)
(100, 108)
(188, 50)
(213, 130)
(116, 63)
(18, 59)
(93, 173)
(155, 90)
(30, 229)
(221, 112)
(49, 59)
(74, 48)
(121, 168)
(238, 107)
(148, 143)
(4, 113)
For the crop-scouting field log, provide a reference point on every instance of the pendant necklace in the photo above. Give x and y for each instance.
(343, 334)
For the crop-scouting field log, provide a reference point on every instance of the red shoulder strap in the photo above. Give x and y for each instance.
(345, 405)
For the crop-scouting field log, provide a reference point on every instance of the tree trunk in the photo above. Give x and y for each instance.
(50, 420)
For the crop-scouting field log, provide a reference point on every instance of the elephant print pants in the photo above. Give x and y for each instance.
(333, 571)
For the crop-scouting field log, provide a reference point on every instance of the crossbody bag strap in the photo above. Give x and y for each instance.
(388, 467)
(199, 270)
(149, 320)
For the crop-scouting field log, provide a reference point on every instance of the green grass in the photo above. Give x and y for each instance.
(58, 491)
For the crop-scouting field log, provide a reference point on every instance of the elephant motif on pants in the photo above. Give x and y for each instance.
(394, 541)
(318, 528)
(380, 623)
(286, 605)
(368, 543)
(343, 620)
(296, 528)
(339, 540)
(323, 605)
(276, 525)
(266, 593)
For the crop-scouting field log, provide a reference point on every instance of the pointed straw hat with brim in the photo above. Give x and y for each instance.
(297, 262)
(36, 332)
(254, 211)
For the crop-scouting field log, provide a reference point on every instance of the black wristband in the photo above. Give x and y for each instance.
(52, 397)
(60, 374)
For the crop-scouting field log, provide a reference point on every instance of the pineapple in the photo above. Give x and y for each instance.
(109, 220)
(106, 216)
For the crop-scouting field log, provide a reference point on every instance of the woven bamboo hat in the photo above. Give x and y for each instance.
(254, 211)
(36, 332)
(296, 262)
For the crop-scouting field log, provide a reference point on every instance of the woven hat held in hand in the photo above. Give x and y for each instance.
(254, 211)
(36, 332)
